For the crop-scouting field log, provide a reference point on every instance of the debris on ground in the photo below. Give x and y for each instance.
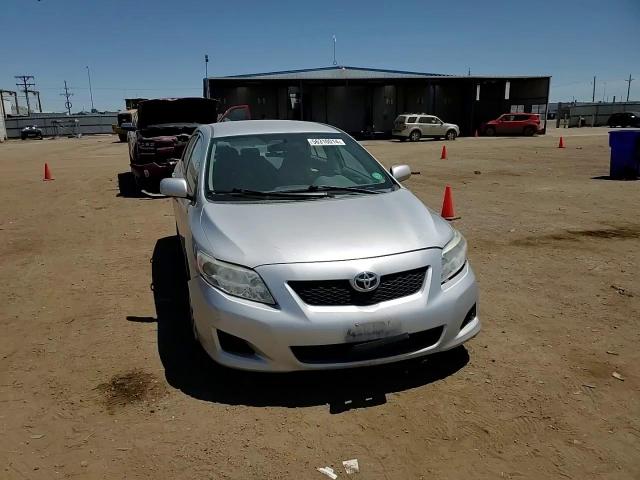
(618, 376)
(611, 352)
(37, 436)
(588, 385)
(622, 291)
(351, 466)
(328, 471)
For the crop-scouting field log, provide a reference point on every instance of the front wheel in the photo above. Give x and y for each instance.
(451, 135)
(490, 132)
(415, 136)
(529, 131)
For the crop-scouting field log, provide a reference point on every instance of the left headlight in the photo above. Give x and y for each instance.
(234, 280)
(454, 256)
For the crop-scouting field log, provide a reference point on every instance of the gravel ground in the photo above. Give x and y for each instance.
(99, 379)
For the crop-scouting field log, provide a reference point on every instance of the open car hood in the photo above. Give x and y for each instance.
(176, 110)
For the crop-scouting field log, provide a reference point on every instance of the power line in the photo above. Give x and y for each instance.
(66, 94)
(26, 83)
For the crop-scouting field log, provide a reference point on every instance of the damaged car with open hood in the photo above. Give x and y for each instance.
(162, 128)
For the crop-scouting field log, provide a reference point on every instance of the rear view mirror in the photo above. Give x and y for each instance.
(400, 172)
(174, 187)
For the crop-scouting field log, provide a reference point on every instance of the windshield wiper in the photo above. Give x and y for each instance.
(260, 193)
(330, 188)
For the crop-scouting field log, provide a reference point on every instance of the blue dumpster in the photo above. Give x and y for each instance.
(625, 154)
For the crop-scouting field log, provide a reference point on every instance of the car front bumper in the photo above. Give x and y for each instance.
(271, 331)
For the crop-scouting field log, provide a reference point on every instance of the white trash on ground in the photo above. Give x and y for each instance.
(328, 471)
(351, 466)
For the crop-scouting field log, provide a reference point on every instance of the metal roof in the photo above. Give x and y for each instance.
(336, 72)
(339, 72)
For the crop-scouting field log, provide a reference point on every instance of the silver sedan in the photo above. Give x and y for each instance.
(303, 252)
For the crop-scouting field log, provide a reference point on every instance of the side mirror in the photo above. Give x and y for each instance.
(174, 187)
(400, 172)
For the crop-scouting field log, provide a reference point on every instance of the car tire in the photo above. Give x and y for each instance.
(490, 131)
(451, 135)
(415, 136)
(529, 131)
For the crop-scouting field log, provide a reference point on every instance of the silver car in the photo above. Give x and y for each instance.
(414, 126)
(303, 252)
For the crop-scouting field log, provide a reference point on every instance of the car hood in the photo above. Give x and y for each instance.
(451, 125)
(332, 229)
(176, 110)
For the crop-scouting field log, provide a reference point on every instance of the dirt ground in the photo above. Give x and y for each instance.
(98, 378)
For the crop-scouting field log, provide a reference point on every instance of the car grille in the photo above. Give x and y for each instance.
(368, 350)
(340, 292)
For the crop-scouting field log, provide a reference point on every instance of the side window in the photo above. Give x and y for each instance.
(520, 118)
(194, 161)
(426, 120)
(186, 153)
(412, 120)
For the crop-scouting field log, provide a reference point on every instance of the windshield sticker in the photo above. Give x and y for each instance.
(377, 176)
(316, 142)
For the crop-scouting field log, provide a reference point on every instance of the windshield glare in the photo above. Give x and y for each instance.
(297, 161)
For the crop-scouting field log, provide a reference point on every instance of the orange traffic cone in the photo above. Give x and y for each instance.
(561, 143)
(476, 134)
(447, 205)
(443, 155)
(47, 173)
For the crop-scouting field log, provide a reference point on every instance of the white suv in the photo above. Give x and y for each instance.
(417, 125)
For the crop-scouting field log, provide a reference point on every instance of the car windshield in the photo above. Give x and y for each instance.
(304, 164)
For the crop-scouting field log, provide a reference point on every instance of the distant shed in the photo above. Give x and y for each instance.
(359, 99)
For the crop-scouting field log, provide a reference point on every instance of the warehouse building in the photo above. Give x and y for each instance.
(366, 99)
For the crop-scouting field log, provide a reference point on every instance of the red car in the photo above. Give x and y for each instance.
(513, 124)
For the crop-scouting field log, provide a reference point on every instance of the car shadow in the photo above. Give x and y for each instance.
(189, 369)
(607, 177)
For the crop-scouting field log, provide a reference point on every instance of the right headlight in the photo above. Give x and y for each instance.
(232, 279)
(454, 256)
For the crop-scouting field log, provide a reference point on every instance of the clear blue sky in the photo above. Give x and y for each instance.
(156, 48)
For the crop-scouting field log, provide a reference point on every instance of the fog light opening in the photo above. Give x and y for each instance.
(234, 345)
(470, 316)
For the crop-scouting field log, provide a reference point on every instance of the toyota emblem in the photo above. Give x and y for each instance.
(365, 282)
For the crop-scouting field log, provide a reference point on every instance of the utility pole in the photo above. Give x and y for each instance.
(335, 62)
(27, 81)
(593, 96)
(90, 90)
(66, 94)
(629, 80)
(206, 74)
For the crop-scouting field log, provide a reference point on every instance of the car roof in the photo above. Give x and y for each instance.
(253, 127)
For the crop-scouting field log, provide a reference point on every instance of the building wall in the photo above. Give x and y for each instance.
(356, 105)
